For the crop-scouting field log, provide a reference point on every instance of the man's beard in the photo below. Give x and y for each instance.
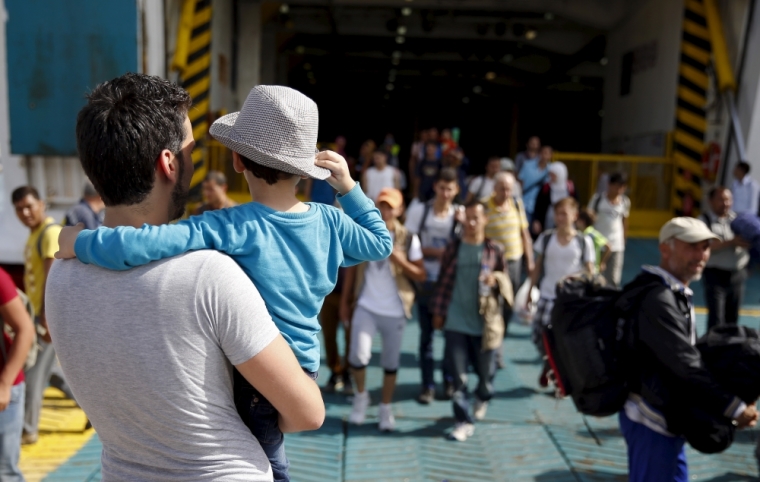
(180, 194)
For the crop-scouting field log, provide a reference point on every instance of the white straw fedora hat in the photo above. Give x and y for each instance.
(277, 127)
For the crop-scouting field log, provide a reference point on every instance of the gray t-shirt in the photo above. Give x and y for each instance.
(436, 233)
(148, 354)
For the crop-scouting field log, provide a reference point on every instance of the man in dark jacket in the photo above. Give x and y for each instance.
(667, 365)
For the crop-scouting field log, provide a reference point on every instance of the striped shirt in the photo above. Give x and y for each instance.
(505, 227)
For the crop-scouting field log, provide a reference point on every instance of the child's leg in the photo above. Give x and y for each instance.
(363, 328)
(261, 418)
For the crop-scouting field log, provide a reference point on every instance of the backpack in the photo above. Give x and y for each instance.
(31, 357)
(586, 344)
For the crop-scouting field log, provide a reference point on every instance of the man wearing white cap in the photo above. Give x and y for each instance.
(668, 367)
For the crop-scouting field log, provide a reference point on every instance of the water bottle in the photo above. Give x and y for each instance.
(484, 289)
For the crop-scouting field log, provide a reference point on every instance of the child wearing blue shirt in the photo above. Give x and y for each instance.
(290, 250)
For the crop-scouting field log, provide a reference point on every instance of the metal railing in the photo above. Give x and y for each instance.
(651, 185)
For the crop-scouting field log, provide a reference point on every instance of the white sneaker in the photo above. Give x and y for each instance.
(359, 408)
(479, 409)
(462, 431)
(387, 420)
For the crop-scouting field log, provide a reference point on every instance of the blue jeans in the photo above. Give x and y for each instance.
(261, 418)
(463, 351)
(653, 457)
(11, 426)
(425, 318)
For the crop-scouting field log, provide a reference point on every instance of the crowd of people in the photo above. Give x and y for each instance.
(204, 360)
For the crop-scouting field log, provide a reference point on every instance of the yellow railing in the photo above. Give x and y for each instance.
(220, 159)
(650, 185)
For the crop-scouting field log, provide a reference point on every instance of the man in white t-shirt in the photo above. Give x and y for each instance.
(481, 187)
(434, 223)
(149, 352)
(612, 210)
(559, 252)
(380, 176)
(384, 298)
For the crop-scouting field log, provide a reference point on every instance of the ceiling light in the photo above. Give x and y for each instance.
(284, 9)
(389, 86)
(465, 100)
(396, 54)
(604, 61)
(549, 16)
(508, 58)
(307, 66)
(531, 33)
(400, 39)
(490, 75)
(477, 89)
(401, 30)
(395, 61)
(406, 11)
(300, 49)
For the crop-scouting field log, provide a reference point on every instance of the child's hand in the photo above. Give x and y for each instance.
(341, 177)
(66, 241)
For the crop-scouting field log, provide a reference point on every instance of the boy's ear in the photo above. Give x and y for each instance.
(237, 164)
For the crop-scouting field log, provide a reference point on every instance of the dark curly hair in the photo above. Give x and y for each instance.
(123, 128)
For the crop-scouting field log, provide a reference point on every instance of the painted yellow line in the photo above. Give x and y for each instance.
(743, 312)
(61, 437)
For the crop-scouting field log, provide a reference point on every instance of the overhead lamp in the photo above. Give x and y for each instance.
(300, 49)
(490, 75)
(284, 9)
(307, 66)
(389, 86)
(396, 54)
(549, 16)
(531, 33)
(401, 30)
(477, 89)
(604, 61)
(465, 100)
(395, 61)
(400, 39)
(508, 58)
(406, 11)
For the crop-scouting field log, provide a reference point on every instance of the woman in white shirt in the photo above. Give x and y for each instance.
(383, 297)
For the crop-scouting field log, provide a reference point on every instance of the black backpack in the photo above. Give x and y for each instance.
(731, 354)
(586, 344)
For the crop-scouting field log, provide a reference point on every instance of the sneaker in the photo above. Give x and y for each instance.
(334, 384)
(28, 438)
(426, 396)
(479, 409)
(348, 387)
(359, 408)
(448, 390)
(462, 431)
(387, 420)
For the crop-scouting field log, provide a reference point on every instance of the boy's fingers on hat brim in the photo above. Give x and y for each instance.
(326, 163)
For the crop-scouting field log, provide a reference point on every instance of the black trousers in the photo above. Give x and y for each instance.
(724, 292)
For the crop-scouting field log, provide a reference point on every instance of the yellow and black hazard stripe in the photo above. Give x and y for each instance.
(193, 60)
(691, 122)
